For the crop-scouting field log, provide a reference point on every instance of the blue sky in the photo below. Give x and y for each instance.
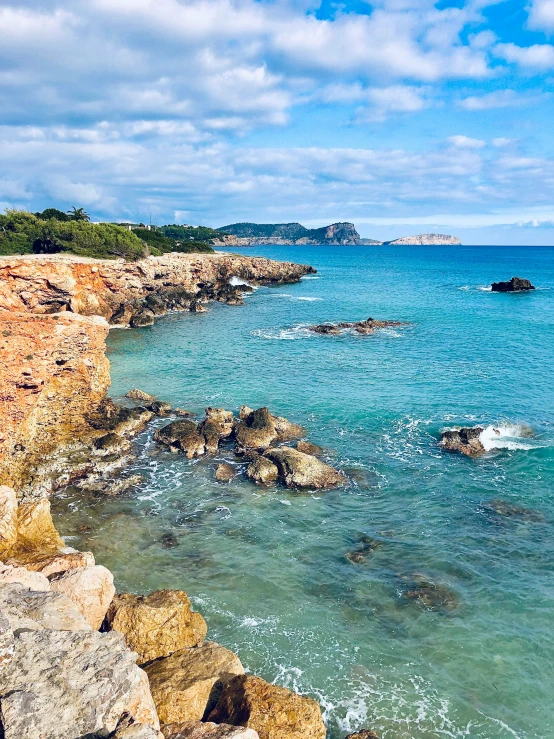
(402, 116)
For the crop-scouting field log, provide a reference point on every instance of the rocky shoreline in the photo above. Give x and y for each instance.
(78, 660)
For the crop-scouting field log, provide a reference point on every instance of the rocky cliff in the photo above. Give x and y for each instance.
(425, 240)
(254, 234)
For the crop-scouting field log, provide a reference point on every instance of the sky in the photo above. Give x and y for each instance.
(401, 116)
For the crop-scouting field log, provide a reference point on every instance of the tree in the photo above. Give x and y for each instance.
(78, 214)
(49, 213)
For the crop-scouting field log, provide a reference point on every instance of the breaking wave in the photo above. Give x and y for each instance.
(507, 436)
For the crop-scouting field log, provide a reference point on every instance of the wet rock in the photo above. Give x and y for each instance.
(197, 307)
(361, 327)
(363, 734)
(184, 436)
(55, 564)
(326, 329)
(510, 510)
(158, 624)
(68, 684)
(160, 408)
(136, 394)
(272, 711)
(185, 685)
(464, 440)
(112, 443)
(224, 472)
(262, 470)
(8, 518)
(207, 730)
(142, 318)
(123, 421)
(123, 486)
(27, 609)
(91, 589)
(259, 429)
(515, 285)
(183, 413)
(223, 421)
(306, 447)
(431, 595)
(169, 541)
(156, 304)
(298, 470)
(15, 574)
(211, 436)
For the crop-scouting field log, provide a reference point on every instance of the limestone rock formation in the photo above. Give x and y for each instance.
(515, 285)
(306, 447)
(262, 470)
(272, 711)
(298, 470)
(36, 610)
(55, 564)
(91, 589)
(425, 240)
(222, 420)
(464, 440)
(185, 685)
(207, 730)
(68, 684)
(158, 624)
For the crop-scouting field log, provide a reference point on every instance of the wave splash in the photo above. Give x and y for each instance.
(506, 436)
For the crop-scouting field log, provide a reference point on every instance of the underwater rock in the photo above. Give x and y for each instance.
(184, 436)
(363, 550)
(224, 472)
(262, 470)
(158, 624)
(91, 589)
(431, 595)
(206, 730)
(306, 447)
(515, 285)
(298, 470)
(362, 327)
(136, 394)
(159, 408)
(272, 711)
(464, 440)
(169, 541)
(510, 510)
(185, 685)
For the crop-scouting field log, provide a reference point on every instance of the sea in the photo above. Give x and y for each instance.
(442, 623)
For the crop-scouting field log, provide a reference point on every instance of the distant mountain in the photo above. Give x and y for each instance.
(289, 233)
(425, 240)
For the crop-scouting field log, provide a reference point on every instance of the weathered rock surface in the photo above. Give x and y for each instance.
(464, 440)
(306, 447)
(182, 436)
(91, 589)
(224, 472)
(36, 533)
(126, 730)
(363, 734)
(27, 609)
(259, 429)
(158, 624)
(298, 470)
(31, 580)
(7, 642)
(361, 327)
(136, 394)
(159, 408)
(262, 470)
(515, 285)
(68, 684)
(207, 730)
(185, 685)
(55, 564)
(222, 420)
(272, 711)
(8, 518)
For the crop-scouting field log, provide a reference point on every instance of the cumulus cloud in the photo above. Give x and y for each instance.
(499, 99)
(541, 15)
(538, 56)
(393, 99)
(466, 142)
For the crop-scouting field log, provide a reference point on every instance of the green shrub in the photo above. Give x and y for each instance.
(160, 244)
(190, 233)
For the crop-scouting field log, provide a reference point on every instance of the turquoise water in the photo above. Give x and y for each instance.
(267, 568)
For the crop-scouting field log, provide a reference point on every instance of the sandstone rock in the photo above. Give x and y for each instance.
(464, 440)
(136, 394)
(272, 711)
(363, 734)
(8, 518)
(31, 580)
(298, 470)
(158, 624)
(35, 528)
(262, 470)
(91, 589)
(207, 730)
(39, 609)
(306, 447)
(224, 472)
(63, 685)
(184, 436)
(55, 564)
(515, 285)
(160, 408)
(185, 685)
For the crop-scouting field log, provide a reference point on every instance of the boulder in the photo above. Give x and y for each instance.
(185, 685)
(515, 285)
(136, 394)
(31, 580)
(160, 408)
(262, 470)
(224, 472)
(464, 440)
(298, 470)
(211, 436)
(55, 564)
(109, 416)
(184, 436)
(272, 711)
(207, 730)
(223, 420)
(8, 518)
(68, 684)
(158, 624)
(39, 609)
(259, 429)
(128, 730)
(90, 588)
(35, 529)
(306, 447)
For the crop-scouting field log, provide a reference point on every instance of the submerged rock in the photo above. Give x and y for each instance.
(430, 594)
(510, 510)
(464, 440)
(363, 550)
(185, 685)
(272, 711)
(298, 470)
(136, 394)
(224, 472)
(158, 624)
(515, 285)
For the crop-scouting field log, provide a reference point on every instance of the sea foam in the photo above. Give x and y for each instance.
(506, 436)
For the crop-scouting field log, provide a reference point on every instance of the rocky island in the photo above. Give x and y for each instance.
(515, 285)
(425, 240)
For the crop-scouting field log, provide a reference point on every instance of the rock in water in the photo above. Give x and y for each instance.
(258, 429)
(207, 730)
(223, 421)
(90, 588)
(509, 510)
(464, 440)
(306, 447)
(262, 470)
(160, 408)
(515, 285)
(363, 734)
(184, 436)
(272, 711)
(298, 470)
(224, 472)
(185, 684)
(158, 624)
(68, 684)
(136, 394)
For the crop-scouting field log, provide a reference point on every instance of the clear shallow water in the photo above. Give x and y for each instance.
(268, 568)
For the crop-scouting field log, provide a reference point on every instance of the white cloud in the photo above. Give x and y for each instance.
(498, 99)
(393, 99)
(500, 141)
(541, 15)
(465, 142)
(538, 56)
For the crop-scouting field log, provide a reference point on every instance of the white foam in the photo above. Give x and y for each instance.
(309, 300)
(507, 436)
(236, 281)
(286, 334)
(485, 288)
